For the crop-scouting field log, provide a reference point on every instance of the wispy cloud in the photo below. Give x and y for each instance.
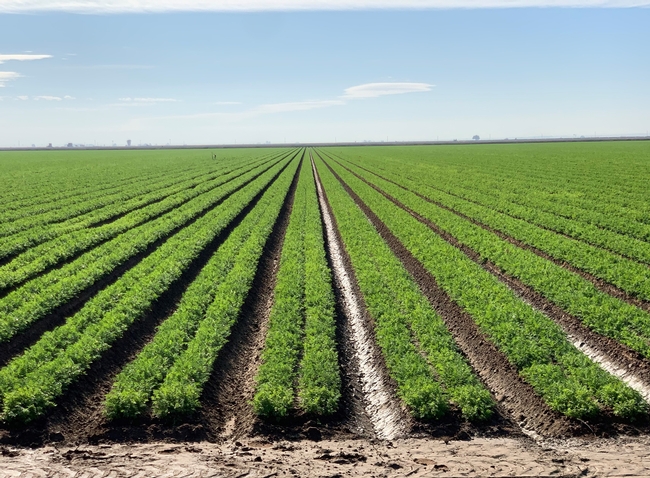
(373, 90)
(108, 66)
(369, 90)
(7, 76)
(118, 6)
(67, 97)
(22, 97)
(294, 106)
(21, 56)
(148, 100)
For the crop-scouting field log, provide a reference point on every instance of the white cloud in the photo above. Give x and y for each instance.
(47, 98)
(7, 76)
(116, 6)
(23, 98)
(67, 97)
(373, 90)
(22, 56)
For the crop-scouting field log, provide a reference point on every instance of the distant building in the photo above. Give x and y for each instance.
(69, 145)
(128, 142)
(49, 145)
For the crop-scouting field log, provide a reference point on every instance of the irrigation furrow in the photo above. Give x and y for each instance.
(388, 419)
(586, 303)
(517, 397)
(227, 398)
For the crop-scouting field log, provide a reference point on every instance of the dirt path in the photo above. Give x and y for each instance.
(344, 458)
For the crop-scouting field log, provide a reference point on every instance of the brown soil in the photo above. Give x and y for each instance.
(515, 397)
(262, 458)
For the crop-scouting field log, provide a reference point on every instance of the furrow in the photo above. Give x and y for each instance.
(384, 412)
(516, 396)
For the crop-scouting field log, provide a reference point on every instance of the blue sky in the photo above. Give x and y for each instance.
(340, 75)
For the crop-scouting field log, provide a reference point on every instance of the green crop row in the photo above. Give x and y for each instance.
(628, 275)
(566, 379)
(183, 384)
(133, 387)
(607, 229)
(319, 380)
(47, 199)
(601, 312)
(60, 211)
(36, 298)
(614, 212)
(400, 312)
(582, 196)
(39, 258)
(459, 196)
(87, 208)
(59, 180)
(301, 319)
(32, 237)
(32, 382)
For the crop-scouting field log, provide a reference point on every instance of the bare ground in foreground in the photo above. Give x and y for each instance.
(258, 457)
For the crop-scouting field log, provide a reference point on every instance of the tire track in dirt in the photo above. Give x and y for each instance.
(389, 420)
(78, 417)
(515, 395)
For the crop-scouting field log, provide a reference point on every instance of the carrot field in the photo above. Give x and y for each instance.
(374, 291)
